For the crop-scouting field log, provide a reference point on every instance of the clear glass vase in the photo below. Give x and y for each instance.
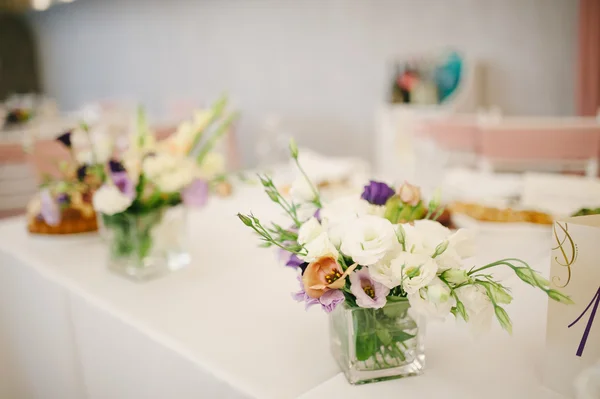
(147, 245)
(377, 344)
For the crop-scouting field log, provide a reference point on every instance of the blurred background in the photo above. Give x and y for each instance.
(399, 84)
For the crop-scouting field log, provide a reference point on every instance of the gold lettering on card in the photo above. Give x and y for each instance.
(565, 253)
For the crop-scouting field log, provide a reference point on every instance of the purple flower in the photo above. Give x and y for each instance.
(50, 210)
(81, 172)
(196, 194)
(368, 293)
(377, 193)
(65, 138)
(328, 301)
(115, 166)
(123, 183)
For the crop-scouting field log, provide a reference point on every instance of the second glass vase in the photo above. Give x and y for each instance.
(377, 344)
(147, 245)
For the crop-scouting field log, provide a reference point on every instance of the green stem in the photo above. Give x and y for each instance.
(317, 199)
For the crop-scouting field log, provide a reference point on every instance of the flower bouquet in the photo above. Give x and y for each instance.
(380, 272)
(64, 203)
(141, 204)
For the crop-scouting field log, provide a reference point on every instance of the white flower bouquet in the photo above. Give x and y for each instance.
(152, 178)
(379, 270)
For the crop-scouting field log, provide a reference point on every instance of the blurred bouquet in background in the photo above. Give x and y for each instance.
(145, 185)
(64, 203)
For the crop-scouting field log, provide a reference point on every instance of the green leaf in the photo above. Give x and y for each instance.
(384, 336)
(366, 346)
(401, 336)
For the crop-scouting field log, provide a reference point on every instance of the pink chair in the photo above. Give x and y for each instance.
(551, 143)
(45, 157)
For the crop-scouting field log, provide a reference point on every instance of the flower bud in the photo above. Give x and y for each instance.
(293, 148)
(245, 219)
(409, 194)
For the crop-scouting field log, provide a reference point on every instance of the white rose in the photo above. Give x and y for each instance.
(306, 211)
(414, 270)
(369, 239)
(109, 200)
(301, 191)
(433, 301)
(319, 247)
(310, 230)
(478, 306)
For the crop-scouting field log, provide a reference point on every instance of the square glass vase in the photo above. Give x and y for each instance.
(147, 245)
(373, 345)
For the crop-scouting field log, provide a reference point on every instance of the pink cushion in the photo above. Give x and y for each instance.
(12, 153)
(540, 142)
(45, 157)
(457, 134)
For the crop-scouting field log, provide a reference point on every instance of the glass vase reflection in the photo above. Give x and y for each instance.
(377, 344)
(146, 245)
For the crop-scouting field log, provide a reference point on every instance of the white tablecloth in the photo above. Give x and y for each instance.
(225, 327)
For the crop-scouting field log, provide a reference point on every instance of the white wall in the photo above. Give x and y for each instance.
(321, 64)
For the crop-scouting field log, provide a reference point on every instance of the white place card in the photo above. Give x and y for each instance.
(560, 194)
(573, 331)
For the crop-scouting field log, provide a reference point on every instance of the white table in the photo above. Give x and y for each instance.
(225, 327)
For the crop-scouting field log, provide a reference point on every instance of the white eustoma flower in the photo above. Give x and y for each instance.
(309, 230)
(414, 270)
(587, 384)
(301, 191)
(337, 215)
(84, 157)
(109, 200)
(319, 247)
(463, 242)
(102, 147)
(478, 306)
(158, 164)
(369, 239)
(434, 301)
(212, 165)
(177, 178)
(382, 273)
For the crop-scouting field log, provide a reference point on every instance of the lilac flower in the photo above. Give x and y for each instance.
(124, 184)
(368, 293)
(62, 199)
(377, 193)
(196, 194)
(294, 261)
(65, 138)
(328, 301)
(50, 210)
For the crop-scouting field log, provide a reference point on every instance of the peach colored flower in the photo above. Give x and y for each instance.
(409, 194)
(323, 275)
